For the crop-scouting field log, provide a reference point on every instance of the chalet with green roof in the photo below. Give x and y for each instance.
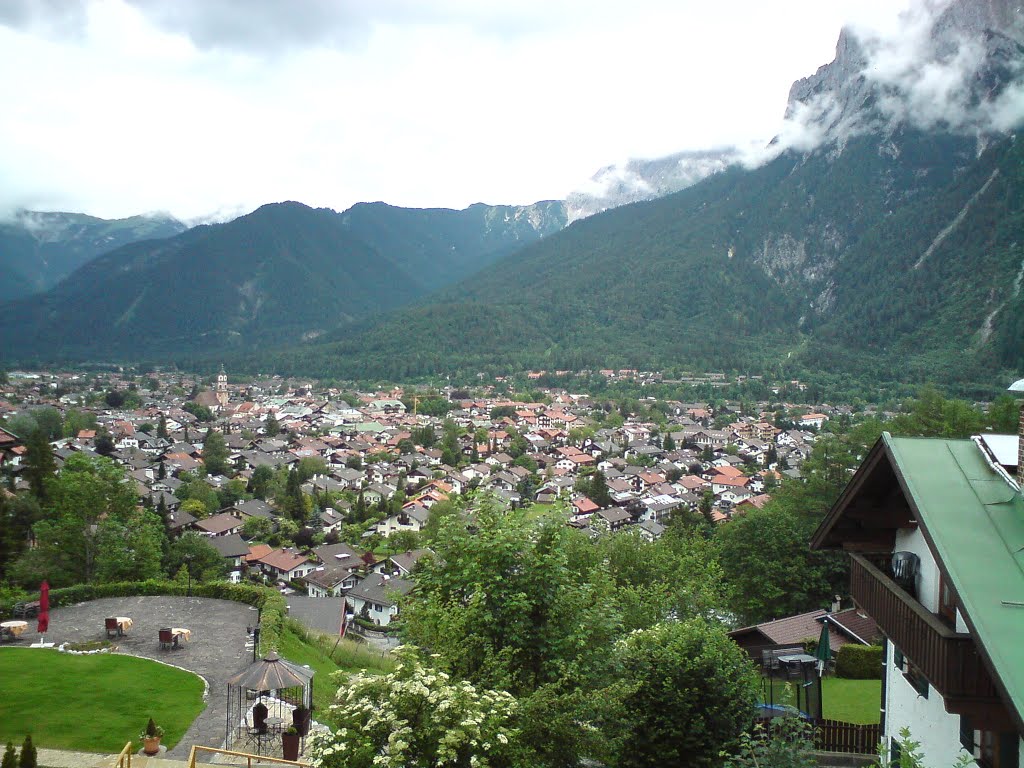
(935, 532)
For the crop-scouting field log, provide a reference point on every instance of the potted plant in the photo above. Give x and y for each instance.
(301, 717)
(150, 738)
(290, 744)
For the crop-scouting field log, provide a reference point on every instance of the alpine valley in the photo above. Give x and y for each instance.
(878, 235)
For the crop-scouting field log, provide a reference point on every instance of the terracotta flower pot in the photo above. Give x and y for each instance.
(151, 745)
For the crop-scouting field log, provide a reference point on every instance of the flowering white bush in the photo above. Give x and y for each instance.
(416, 717)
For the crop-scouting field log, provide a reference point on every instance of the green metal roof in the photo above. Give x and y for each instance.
(974, 520)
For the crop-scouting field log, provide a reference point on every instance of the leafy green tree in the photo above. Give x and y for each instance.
(271, 427)
(257, 529)
(1003, 415)
(39, 464)
(104, 443)
(501, 607)
(75, 421)
(194, 507)
(424, 436)
(416, 716)
(88, 494)
(17, 516)
(10, 757)
(310, 466)
(201, 412)
(230, 493)
(451, 453)
(215, 453)
(130, 547)
(161, 428)
(261, 481)
(194, 552)
(693, 693)
(196, 488)
(769, 568)
(706, 507)
(114, 398)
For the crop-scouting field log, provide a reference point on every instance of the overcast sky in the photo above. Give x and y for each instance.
(214, 107)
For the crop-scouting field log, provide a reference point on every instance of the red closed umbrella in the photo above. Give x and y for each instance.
(44, 607)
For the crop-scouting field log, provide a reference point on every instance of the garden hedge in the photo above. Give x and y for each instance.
(859, 662)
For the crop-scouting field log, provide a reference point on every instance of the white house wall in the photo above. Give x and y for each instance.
(912, 540)
(929, 723)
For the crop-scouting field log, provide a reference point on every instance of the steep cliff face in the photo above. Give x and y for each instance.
(954, 71)
(958, 68)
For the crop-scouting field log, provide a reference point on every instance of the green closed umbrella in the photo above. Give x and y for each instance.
(823, 653)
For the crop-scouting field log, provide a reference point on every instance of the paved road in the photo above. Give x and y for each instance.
(216, 651)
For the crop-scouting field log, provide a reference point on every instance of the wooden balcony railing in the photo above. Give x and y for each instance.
(949, 659)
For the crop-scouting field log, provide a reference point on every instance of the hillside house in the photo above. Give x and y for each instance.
(934, 530)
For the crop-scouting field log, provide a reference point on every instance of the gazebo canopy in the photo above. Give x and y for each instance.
(272, 672)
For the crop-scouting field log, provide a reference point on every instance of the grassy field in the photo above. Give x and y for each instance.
(308, 648)
(93, 703)
(852, 701)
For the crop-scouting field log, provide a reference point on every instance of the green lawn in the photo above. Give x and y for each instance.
(308, 648)
(93, 703)
(852, 701)
(536, 510)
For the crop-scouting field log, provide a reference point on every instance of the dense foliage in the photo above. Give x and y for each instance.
(416, 717)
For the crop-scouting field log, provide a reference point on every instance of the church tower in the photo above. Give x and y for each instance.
(222, 388)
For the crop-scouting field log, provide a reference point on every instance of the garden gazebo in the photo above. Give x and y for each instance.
(283, 689)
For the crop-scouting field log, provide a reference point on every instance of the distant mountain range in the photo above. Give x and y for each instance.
(285, 272)
(38, 249)
(879, 235)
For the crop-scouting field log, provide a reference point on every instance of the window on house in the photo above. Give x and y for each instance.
(996, 750)
(916, 679)
(947, 602)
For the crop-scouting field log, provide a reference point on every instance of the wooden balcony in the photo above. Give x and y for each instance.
(949, 659)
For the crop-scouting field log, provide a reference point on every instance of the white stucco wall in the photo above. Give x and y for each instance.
(912, 540)
(929, 723)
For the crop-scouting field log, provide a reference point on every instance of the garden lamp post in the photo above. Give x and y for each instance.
(188, 568)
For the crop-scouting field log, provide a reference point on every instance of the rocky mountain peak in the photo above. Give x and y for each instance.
(955, 66)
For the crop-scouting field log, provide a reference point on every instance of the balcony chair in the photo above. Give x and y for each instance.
(111, 626)
(905, 566)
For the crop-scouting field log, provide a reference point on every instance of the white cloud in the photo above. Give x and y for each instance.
(200, 106)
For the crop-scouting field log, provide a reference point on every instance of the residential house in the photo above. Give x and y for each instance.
(410, 518)
(234, 550)
(285, 564)
(852, 625)
(221, 524)
(375, 598)
(934, 530)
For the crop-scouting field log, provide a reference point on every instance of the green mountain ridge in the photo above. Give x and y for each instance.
(807, 262)
(284, 272)
(38, 249)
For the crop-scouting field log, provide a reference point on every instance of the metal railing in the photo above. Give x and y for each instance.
(124, 760)
(250, 758)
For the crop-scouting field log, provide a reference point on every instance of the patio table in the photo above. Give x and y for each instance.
(11, 629)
